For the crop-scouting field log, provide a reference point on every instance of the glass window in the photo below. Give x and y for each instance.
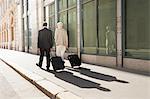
(29, 32)
(84, 1)
(29, 24)
(89, 28)
(137, 35)
(72, 29)
(71, 2)
(52, 9)
(63, 18)
(62, 4)
(63, 15)
(52, 16)
(67, 15)
(107, 27)
(22, 6)
(52, 23)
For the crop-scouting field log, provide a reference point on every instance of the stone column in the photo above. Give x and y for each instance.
(79, 27)
(56, 11)
(119, 33)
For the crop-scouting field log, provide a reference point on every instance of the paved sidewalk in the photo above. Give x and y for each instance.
(87, 82)
(13, 86)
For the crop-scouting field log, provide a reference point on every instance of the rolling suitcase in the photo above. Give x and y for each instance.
(74, 60)
(57, 63)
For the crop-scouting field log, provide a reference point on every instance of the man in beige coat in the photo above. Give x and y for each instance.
(61, 40)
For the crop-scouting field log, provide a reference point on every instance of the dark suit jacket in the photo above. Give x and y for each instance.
(45, 39)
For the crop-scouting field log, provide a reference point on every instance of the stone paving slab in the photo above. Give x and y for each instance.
(50, 89)
(88, 82)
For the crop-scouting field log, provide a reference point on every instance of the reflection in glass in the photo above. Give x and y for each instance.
(137, 35)
(107, 27)
(72, 22)
(89, 28)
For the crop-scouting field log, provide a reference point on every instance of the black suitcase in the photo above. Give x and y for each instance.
(74, 60)
(57, 63)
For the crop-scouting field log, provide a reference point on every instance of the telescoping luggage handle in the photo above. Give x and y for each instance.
(55, 48)
(70, 52)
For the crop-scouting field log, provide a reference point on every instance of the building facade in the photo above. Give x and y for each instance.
(111, 33)
(8, 23)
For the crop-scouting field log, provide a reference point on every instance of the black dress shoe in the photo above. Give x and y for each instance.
(38, 65)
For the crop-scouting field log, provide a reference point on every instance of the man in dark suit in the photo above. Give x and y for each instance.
(45, 44)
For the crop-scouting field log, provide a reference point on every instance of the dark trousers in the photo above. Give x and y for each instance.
(42, 51)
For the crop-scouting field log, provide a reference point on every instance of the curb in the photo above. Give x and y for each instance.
(50, 89)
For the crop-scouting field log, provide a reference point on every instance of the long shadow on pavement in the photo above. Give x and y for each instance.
(75, 80)
(96, 75)
(80, 82)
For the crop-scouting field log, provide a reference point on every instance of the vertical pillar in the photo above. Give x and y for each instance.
(8, 27)
(0, 35)
(47, 15)
(3, 36)
(27, 23)
(79, 27)
(119, 33)
(56, 11)
(22, 32)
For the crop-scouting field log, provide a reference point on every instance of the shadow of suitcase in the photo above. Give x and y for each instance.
(57, 63)
(74, 60)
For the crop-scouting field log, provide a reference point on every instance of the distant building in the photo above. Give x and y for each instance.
(7, 26)
(111, 33)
